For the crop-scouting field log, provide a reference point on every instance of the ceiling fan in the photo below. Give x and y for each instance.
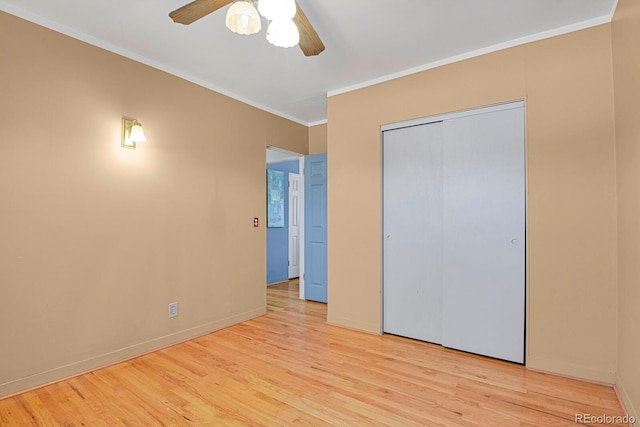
(309, 41)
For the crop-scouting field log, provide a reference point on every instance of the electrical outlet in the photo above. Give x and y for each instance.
(173, 309)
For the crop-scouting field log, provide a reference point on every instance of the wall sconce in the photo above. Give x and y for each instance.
(132, 133)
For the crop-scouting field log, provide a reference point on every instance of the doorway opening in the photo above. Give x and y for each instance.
(285, 235)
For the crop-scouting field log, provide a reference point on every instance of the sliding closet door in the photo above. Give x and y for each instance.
(412, 232)
(484, 234)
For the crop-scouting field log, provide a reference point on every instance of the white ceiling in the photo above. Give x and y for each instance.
(366, 41)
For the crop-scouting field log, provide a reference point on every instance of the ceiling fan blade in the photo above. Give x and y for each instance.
(196, 9)
(310, 42)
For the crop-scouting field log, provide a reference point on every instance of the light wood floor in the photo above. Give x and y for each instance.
(290, 368)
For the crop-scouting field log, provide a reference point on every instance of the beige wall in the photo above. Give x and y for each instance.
(626, 66)
(318, 139)
(96, 240)
(571, 211)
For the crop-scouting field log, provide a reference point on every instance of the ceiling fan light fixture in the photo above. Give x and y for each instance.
(277, 9)
(243, 18)
(283, 33)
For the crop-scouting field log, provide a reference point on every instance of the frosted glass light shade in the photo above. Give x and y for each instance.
(243, 18)
(283, 33)
(277, 9)
(137, 134)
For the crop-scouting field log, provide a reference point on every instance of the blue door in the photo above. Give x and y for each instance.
(315, 227)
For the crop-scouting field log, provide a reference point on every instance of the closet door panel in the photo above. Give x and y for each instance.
(412, 232)
(484, 234)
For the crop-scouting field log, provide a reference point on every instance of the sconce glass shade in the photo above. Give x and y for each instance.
(277, 9)
(243, 18)
(132, 133)
(283, 33)
(137, 133)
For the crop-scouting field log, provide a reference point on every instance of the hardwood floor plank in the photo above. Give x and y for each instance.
(13, 412)
(290, 367)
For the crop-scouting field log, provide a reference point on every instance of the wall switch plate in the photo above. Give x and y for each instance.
(173, 309)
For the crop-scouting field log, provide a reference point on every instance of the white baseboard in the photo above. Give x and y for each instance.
(625, 401)
(571, 370)
(357, 326)
(40, 379)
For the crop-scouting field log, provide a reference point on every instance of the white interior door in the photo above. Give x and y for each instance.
(484, 234)
(294, 225)
(412, 234)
